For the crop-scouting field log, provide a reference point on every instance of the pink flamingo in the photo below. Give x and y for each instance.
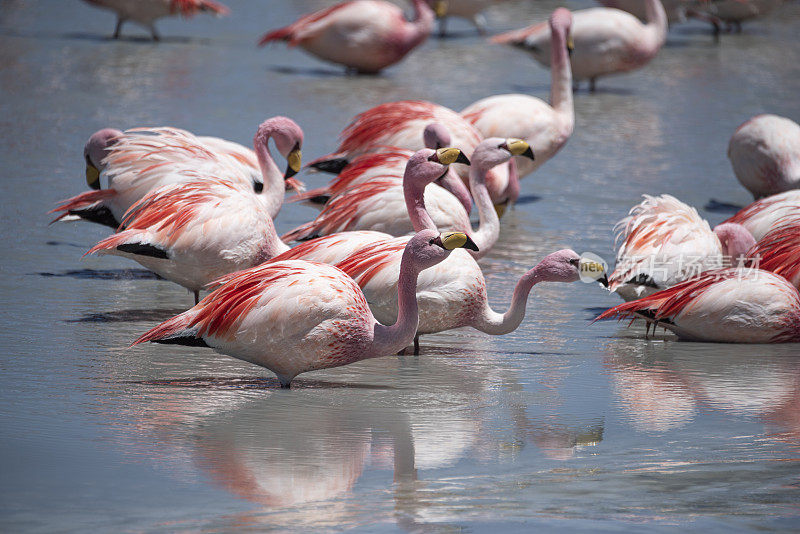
(727, 306)
(363, 35)
(607, 41)
(761, 216)
(195, 232)
(146, 12)
(143, 159)
(401, 124)
(765, 155)
(386, 161)
(297, 316)
(665, 242)
(451, 294)
(526, 117)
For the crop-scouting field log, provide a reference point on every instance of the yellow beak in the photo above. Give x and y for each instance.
(440, 8)
(449, 155)
(92, 176)
(454, 240)
(294, 163)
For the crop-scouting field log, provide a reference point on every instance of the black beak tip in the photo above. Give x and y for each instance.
(462, 158)
(289, 173)
(470, 245)
(95, 185)
(603, 281)
(529, 154)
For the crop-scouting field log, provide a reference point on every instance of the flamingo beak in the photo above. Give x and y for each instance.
(454, 240)
(294, 163)
(518, 147)
(92, 175)
(440, 8)
(449, 155)
(500, 209)
(570, 45)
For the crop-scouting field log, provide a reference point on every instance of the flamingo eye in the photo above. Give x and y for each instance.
(574, 261)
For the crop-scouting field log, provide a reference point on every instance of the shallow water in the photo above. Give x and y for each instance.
(560, 425)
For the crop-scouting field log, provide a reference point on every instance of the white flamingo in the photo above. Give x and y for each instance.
(739, 305)
(363, 35)
(761, 216)
(664, 242)
(765, 155)
(546, 128)
(143, 159)
(146, 12)
(297, 316)
(607, 41)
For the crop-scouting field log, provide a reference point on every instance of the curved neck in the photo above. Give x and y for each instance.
(561, 75)
(489, 228)
(415, 204)
(274, 187)
(421, 25)
(272, 245)
(391, 339)
(495, 323)
(656, 20)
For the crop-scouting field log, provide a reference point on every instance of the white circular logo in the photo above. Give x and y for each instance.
(592, 267)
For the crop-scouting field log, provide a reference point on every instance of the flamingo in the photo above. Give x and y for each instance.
(763, 215)
(471, 10)
(401, 124)
(451, 294)
(765, 155)
(386, 161)
(146, 12)
(143, 159)
(382, 203)
(607, 41)
(363, 35)
(298, 316)
(734, 12)
(734, 305)
(664, 242)
(196, 231)
(779, 251)
(542, 126)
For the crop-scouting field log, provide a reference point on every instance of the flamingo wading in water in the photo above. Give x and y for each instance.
(545, 128)
(298, 316)
(606, 40)
(146, 12)
(363, 35)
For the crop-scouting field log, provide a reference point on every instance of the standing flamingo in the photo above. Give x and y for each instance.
(526, 117)
(297, 316)
(386, 161)
(195, 232)
(363, 35)
(143, 159)
(727, 306)
(401, 124)
(765, 155)
(761, 216)
(607, 41)
(146, 12)
(734, 12)
(665, 242)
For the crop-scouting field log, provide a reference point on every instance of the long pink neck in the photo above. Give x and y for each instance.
(561, 76)
(656, 23)
(495, 323)
(391, 339)
(420, 26)
(274, 188)
(489, 228)
(415, 204)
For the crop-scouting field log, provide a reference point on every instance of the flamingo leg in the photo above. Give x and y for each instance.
(118, 29)
(416, 345)
(443, 27)
(480, 23)
(196, 297)
(592, 84)
(154, 33)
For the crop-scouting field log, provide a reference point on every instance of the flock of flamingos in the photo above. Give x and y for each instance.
(392, 253)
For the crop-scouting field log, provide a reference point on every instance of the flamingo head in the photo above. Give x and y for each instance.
(95, 151)
(429, 247)
(436, 136)
(495, 151)
(735, 239)
(428, 165)
(561, 23)
(288, 139)
(566, 266)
